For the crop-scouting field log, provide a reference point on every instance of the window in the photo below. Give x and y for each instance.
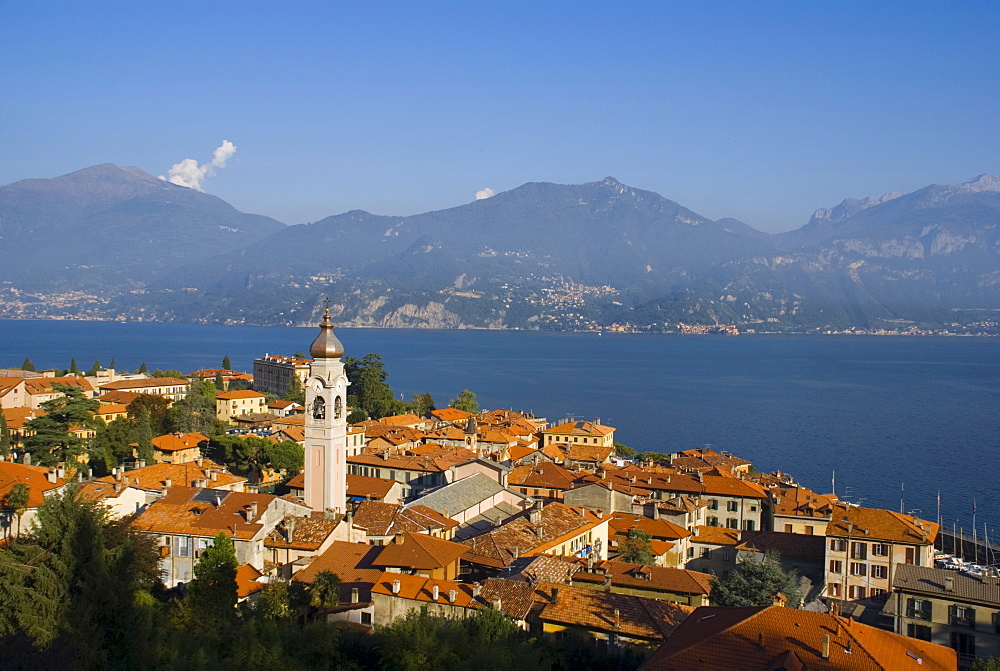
(918, 609)
(859, 568)
(911, 556)
(183, 546)
(857, 592)
(834, 589)
(749, 525)
(963, 644)
(706, 553)
(788, 529)
(836, 566)
(880, 572)
(837, 545)
(877, 593)
(727, 554)
(880, 549)
(712, 521)
(859, 551)
(366, 618)
(713, 504)
(732, 523)
(920, 632)
(809, 530)
(996, 622)
(753, 509)
(690, 553)
(732, 506)
(962, 616)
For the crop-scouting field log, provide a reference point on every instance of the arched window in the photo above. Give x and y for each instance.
(319, 408)
(338, 407)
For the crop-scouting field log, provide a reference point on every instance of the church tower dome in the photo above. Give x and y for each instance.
(326, 345)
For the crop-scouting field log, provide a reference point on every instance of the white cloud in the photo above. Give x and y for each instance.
(485, 193)
(190, 174)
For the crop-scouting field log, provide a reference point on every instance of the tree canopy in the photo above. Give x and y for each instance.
(466, 400)
(5, 440)
(52, 442)
(756, 582)
(226, 363)
(637, 548)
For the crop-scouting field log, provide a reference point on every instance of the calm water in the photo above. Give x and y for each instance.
(878, 411)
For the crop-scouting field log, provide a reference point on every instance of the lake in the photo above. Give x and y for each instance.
(883, 412)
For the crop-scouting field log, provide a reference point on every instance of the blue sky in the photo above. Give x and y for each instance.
(761, 111)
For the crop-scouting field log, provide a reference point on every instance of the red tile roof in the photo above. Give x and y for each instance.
(36, 477)
(420, 551)
(761, 637)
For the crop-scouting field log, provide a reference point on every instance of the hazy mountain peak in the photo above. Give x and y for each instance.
(985, 183)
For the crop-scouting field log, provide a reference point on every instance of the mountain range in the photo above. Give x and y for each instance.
(116, 243)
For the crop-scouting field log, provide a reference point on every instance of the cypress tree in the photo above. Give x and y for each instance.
(93, 369)
(5, 442)
(28, 365)
(73, 368)
(226, 363)
(212, 594)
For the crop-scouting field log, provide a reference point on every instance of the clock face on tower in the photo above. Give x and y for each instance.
(318, 386)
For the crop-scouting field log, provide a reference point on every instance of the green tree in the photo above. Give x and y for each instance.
(28, 365)
(371, 393)
(93, 369)
(287, 456)
(5, 440)
(756, 582)
(111, 366)
(624, 451)
(650, 456)
(212, 594)
(986, 664)
(226, 363)
(142, 369)
(196, 411)
(637, 548)
(423, 404)
(111, 444)
(169, 373)
(156, 408)
(17, 501)
(324, 591)
(142, 430)
(73, 368)
(220, 384)
(466, 400)
(52, 442)
(74, 586)
(296, 392)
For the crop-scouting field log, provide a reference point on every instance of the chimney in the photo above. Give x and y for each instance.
(535, 516)
(164, 492)
(214, 475)
(168, 483)
(199, 461)
(949, 584)
(116, 486)
(555, 595)
(452, 595)
(355, 595)
(539, 532)
(50, 476)
(290, 528)
(253, 511)
(476, 589)
(760, 641)
(583, 512)
(825, 654)
(656, 512)
(395, 587)
(607, 582)
(618, 619)
(436, 592)
(497, 604)
(590, 562)
(142, 463)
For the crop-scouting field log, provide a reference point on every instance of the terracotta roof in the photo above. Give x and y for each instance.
(450, 414)
(111, 409)
(125, 397)
(520, 537)
(386, 519)
(238, 393)
(16, 417)
(801, 502)
(154, 477)
(351, 562)
(302, 533)
(209, 373)
(425, 464)
(402, 420)
(179, 512)
(595, 453)
(757, 638)
(281, 404)
(652, 577)
(516, 597)
(716, 536)
(597, 610)
(542, 568)
(99, 491)
(145, 383)
(43, 385)
(420, 551)
(543, 475)
(518, 452)
(173, 442)
(362, 485)
(622, 523)
(299, 481)
(420, 588)
(785, 544)
(36, 477)
(877, 524)
(667, 480)
(296, 434)
(246, 581)
(581, 428)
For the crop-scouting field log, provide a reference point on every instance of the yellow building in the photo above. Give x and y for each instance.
(231, 404)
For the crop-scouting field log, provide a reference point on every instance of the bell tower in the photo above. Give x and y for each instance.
(326, 423)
